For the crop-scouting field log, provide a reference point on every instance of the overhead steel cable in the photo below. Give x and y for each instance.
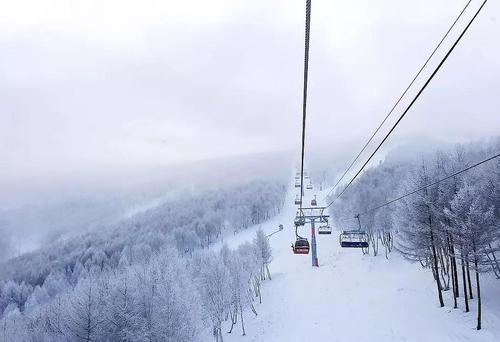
(304, 96)
(399, 99)
(430, 184)
(411, 103)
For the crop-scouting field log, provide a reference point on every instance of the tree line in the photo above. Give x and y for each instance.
(53, 291)
(452, 228)
(163, 298)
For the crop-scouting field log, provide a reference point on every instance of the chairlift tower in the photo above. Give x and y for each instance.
(312, 215)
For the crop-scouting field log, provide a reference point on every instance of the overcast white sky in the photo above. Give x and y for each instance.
(102, 84)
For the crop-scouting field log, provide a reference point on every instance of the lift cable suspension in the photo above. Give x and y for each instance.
(422, 187)
(304, 96)
(411, 104)
(399, 100)
(430, 184)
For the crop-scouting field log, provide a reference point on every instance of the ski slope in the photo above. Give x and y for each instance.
(354, 297)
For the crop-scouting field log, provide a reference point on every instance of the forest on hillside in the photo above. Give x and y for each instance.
(149, 277)
(452, 227)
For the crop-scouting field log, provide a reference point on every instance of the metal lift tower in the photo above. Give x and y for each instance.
(313, 215)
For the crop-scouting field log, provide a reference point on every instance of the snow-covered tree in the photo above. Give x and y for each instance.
(264, 253)
(474, 220)
(214, 287)
(418, 225)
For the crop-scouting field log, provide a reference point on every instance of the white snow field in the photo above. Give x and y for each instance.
(354, 297)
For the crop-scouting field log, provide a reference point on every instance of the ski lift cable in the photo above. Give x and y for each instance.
(399, 100)
(304, 96)
(431, 184)
(424, 187)
(410, 105)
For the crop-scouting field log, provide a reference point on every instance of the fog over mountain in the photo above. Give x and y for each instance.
(99, 86)
(156, 183)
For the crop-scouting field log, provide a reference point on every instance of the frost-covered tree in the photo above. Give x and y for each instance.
(474, 220)
(238, 286)
(142, 279)
(449, 224)
(121, 309)
(83, 316)
(418, 225)
(214, 287)
(264, 253)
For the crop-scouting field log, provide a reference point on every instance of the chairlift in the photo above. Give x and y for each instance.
(297, 185)
(299, 220)
(353, 239)
(326, 229)
(298, 201)
(314, 202)
(301, 246)
(309, 186)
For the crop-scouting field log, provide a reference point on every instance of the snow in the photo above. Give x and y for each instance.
(353, 297)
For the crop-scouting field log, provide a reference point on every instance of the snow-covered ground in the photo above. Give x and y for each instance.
(354, 297)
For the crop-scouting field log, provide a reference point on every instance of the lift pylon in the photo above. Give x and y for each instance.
(311, 216)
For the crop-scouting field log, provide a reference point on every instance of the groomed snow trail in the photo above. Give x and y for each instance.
(354, 297)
